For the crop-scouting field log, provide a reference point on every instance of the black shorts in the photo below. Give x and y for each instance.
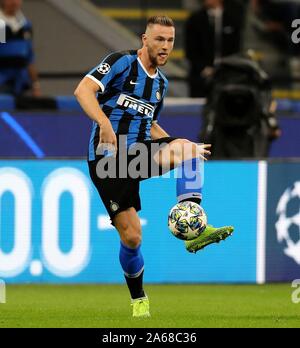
(119, 194)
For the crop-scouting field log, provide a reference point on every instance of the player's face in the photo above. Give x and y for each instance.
(159, 41)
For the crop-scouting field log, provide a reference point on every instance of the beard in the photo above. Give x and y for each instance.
(154, 58)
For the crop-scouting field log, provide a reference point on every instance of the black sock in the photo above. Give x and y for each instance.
(135, 286)
(192, 199)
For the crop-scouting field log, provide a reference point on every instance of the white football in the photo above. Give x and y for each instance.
(187, 220)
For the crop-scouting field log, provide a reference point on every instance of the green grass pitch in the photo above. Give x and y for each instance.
(186, 306)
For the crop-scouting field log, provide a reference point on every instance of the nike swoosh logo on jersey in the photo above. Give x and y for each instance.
(134, 83)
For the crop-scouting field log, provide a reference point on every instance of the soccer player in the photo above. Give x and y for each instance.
(124, 97)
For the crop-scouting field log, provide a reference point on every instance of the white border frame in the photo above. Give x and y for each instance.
(261, 222)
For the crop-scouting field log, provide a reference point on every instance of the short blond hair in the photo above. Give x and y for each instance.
(161, 20)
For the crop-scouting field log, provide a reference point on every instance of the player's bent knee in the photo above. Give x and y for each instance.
(184, 150)
(130, 234)
(132, 240)
(180, 143)
(189, 150)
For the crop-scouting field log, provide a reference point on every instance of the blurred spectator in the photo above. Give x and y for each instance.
(17, 70)
(211, 33)
(239, 117)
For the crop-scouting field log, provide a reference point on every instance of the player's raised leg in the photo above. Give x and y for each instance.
(188, 157)
(129, 227)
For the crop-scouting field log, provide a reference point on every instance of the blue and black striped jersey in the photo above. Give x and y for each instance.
(129, 96)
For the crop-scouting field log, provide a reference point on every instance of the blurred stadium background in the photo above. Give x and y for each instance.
(54, 229)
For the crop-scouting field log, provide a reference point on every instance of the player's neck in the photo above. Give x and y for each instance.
(144, 57)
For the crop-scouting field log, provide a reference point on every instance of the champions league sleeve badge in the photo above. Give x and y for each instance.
(104, 68)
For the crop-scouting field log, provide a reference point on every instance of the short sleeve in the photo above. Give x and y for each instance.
(112, 65)
(157, 111)
(163, 90)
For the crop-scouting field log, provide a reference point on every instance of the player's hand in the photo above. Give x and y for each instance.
(108, 138)
(203, 150)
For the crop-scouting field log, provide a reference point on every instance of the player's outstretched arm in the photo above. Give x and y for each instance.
(157, 132)
(86, 96)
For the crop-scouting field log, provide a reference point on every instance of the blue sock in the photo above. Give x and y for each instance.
(132, 263)
(189, 182)
(131, 260)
